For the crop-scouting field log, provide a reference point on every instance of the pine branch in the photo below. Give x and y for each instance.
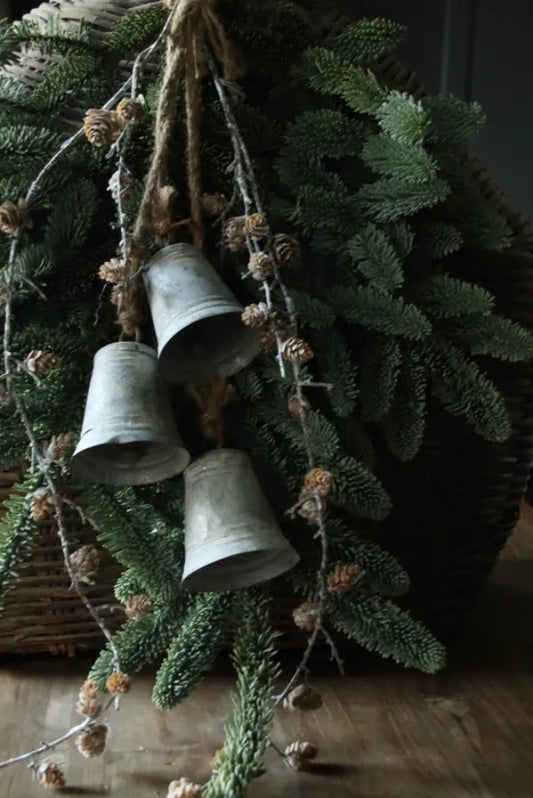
(403, 118)
(357, 490)
(247, 731)
(495, 336)
(405, 423)
(18, 532)
(379, 368)
(192, 651)
(399, 160)
(379, 625)
(368, 40)
(444, 297)
(388, 200)
(378, 311)
(376, 259)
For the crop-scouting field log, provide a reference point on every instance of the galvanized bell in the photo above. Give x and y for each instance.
(232, 539)
(197, 319)
(128, 435)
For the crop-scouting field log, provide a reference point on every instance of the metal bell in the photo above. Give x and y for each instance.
(197, 319)
(232, 539)
(128, 435)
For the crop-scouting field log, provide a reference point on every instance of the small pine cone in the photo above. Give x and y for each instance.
(184, 789)
(309, 509)
(121, 186)
(101, 126)
(113, 271)
(118, 683)
(130, 110)
(286, 250)
(320, 481)
(117, 293)
(84, 562)
(91, 742)
(298, 408)
(60, 446)
(299, 755)
(261, 266)
(13, 217)
(139, 606)
(303, 697)
(87, 699)
(51, 775)
(297, 350)
(213, 205)
(39, 362)
(342, 577)
(306, 616)
(42, 506)
(256, 315)
(257, 226)
(233, 236)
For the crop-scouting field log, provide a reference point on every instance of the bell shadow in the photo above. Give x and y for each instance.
(332, 769)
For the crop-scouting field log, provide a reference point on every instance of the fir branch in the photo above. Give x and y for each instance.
(358, 490)
(247, 731)
(453, 121)
(17, 532)
(379, 625)
(495, 336)
(389, 199)
(444, 297)
(403, 118)
(405, 423)
(399, 160)
(376, 258)
(379, 369)
(368, 40)
(378, 311)
(193, 650)
(139, 642)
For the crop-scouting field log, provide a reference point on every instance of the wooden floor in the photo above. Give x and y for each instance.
(383, 732)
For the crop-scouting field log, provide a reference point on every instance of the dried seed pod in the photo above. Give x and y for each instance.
(85, 562)
(257, 226)
(60, 447)
(233, 236)
(139, 607)
(118, 683)
(304, 698)
(91, 742)
(87, 699)
(42, 505)
(261, 266)
(319, 480)
(50, 775)
(130, 110)
(297, 350)
(39, 362)
(13, 217)
(101, 126)
(298, 408)
(306, 616)
(256, 315)
(286, 249)
(342, 577)
(113, 270)
(213, 205)
(300, 754)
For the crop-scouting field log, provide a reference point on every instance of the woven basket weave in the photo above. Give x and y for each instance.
(454, 506)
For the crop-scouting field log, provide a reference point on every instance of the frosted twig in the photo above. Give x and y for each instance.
(44, 747)
(246, 184)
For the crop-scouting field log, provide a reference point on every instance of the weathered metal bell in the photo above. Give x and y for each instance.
(232, 539)
(197, 319)
(128, 435)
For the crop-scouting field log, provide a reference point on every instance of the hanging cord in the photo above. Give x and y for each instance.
(193, 29)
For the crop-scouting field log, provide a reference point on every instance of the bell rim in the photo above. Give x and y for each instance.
(97, 469)
(125, 346)
(180, 246)
(283, 558)
(215, 455)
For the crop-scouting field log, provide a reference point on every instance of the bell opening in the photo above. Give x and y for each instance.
(140, 462)
(217, 345)
(241, 570)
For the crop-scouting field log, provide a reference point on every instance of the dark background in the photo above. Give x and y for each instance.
(476, 49)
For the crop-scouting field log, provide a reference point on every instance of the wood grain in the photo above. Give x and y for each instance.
(383, 732)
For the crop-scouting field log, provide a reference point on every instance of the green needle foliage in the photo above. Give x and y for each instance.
(376, 185)
(247, 732)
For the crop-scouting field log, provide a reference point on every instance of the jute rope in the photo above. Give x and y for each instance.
(194, 31)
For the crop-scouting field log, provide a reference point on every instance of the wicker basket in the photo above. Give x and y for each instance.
(42, 612)
(454, 506)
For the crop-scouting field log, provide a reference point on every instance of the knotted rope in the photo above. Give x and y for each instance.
(194, 32)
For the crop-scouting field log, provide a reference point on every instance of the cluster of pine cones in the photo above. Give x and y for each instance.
(103, 126)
